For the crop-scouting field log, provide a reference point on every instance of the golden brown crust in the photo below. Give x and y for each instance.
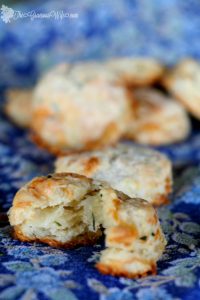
(105, 139)
(123, 234)
(114, 271)
(161, 200)
(39, 185)
(91, 165)
(164, 199)
(88, 238)
(128, 83)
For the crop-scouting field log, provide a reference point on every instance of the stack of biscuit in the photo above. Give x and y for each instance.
(80, 112)
(91, 105)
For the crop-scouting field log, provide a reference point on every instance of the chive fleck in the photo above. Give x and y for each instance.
(57, 223)
(93, 222)
(144, 238)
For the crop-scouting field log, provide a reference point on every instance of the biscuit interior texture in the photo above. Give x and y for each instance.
(134, 170)
(67, 210)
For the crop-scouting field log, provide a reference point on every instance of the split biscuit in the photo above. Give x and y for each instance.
(67, 210)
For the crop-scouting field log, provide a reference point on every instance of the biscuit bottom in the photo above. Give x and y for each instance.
(109, 137)
(84, 239)
(118, 262)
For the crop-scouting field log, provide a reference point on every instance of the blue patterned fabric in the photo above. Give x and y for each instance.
(166, 30)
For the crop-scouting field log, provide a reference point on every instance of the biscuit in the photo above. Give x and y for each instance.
(18, 106)
(68, 210)
(157, 119)
(136, 71)
(134, 170)
(183, 82)
(74, 115)
(89, 70)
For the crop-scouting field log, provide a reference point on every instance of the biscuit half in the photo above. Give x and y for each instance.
(68, 210)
